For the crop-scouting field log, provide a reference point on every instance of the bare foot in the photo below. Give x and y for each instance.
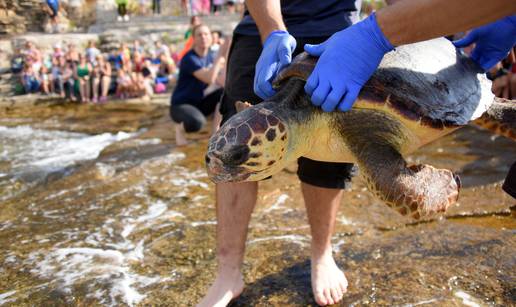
(180, 135)
(328, 282)
(226, 287)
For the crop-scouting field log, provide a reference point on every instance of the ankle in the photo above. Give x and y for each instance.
(322, 254)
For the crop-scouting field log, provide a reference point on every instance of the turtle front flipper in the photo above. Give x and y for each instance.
(376, 140)
(417, 190)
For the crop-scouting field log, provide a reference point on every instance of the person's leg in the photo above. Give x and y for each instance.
(211, 105)
(82, 89)
(60, 86)
(95, 89)
(328, 281)
(235, 203)
(106, 81)
(87, 89)
(186, 118)
(322, 185)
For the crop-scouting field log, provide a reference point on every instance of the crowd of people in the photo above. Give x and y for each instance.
(90, 75)
(189, 7)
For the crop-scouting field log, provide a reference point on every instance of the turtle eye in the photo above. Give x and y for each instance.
(236, 155)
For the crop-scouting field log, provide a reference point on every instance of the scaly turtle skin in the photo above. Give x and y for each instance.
(420, 92)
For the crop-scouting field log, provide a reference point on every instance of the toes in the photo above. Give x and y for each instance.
(336, 294)
(320, 298)
(329, 298)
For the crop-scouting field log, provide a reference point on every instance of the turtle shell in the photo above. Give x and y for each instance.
(429, 81)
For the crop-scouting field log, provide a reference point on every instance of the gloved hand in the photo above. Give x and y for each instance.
(347, 60)
(492, 41)
(276, 54)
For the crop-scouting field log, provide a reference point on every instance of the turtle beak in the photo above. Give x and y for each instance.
(219, 173)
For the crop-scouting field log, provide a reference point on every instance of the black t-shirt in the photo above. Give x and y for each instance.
(310, 18)
(189, 89)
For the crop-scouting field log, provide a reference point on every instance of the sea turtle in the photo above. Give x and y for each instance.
(419, 93)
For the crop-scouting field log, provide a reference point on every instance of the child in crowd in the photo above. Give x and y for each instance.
(101, 79)
(58, 51)
(67, 70)
(45, 79)
(123, 84)
(30, 79)
(56, 76)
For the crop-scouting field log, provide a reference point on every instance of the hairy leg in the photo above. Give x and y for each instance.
(328, 282)
(235, 203)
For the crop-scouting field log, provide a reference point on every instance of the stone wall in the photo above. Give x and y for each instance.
(20, 16)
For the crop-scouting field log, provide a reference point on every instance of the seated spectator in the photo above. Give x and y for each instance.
(138, 61)
(30, 79)
(137, 47)
(92, 52)
(32, 56)
(67, 70)
(217, 40)
(72, 55)
(82, 74)
(101, 79)
(58, 51)
(166, 70)
(123, 84)
(124, 57)
(17, 61)
(56, 76)
(45, 80)
(190, 104)
(161, 49)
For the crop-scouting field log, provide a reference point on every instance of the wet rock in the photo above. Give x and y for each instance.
(141, 217)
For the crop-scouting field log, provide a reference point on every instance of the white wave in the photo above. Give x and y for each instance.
(68, 266)
(4, 297)
(30, 149)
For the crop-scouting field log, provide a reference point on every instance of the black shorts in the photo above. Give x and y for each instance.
(193, 116)
(245, 51)
(509, 184)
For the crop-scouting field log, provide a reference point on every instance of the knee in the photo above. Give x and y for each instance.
(194, 124)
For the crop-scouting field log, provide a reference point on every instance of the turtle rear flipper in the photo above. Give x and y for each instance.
(500, 118)
(417, 190)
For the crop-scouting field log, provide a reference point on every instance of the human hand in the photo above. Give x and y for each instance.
(346, 61)
(492, 41)
(276, 54)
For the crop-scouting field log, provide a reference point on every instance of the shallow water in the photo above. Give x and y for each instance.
(128, 219)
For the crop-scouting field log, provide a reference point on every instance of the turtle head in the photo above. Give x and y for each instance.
(250, 146)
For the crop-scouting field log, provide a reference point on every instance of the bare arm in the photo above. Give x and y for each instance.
(209, 75)
(267, 15)
(409, 21)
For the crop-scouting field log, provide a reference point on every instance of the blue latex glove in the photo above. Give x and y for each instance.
(276, 54)
(492, 41)
(347, 60)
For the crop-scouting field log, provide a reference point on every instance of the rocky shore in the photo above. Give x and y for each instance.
(135, 224)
